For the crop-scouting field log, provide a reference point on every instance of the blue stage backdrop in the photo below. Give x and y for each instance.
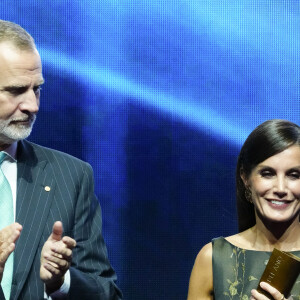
(158, 97)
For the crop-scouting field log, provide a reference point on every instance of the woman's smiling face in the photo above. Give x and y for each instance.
(275, 186)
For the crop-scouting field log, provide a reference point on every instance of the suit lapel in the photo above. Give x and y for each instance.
(35, 189)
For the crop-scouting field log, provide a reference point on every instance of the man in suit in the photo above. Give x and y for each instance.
(55, 238)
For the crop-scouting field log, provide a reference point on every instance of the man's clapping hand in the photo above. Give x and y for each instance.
(56, 258)
(8, 237)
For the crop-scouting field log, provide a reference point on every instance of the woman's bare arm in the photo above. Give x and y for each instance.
(201, 281)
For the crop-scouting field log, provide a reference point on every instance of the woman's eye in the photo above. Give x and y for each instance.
(294, 175)
(266, 173)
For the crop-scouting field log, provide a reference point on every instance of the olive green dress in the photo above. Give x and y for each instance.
(237, 271)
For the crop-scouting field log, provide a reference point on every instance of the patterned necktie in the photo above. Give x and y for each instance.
(6, 218)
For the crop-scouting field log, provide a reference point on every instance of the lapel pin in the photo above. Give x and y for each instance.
(47, 188)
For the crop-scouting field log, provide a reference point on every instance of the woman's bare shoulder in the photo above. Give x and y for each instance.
(201, 281)
(205, 253)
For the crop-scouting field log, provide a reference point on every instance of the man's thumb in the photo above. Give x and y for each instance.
(57, 231)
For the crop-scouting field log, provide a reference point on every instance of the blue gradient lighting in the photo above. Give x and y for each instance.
(185, 110)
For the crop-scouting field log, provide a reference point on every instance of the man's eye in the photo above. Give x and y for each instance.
(37, 89)
(16, 90)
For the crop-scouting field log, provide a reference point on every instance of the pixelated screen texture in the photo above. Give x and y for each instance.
(158, 96)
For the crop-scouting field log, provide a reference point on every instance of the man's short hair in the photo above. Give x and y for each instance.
(14, 33)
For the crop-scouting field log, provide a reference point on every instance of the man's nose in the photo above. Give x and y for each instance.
(30, 102)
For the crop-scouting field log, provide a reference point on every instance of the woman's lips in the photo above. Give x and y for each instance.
(279, 204)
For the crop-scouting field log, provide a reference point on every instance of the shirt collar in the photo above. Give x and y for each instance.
(11, 150)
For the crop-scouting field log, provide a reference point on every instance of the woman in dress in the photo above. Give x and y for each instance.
(268, 205)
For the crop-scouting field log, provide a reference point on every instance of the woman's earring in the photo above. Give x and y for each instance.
(248, 195)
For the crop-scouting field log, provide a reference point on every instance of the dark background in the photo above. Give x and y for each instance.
(158, 97)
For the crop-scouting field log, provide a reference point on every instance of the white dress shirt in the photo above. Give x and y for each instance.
(9, 168)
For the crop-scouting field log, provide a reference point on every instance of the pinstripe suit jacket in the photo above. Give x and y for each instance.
(71, 199)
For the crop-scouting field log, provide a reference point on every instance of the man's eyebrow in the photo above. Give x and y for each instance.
(21, 86)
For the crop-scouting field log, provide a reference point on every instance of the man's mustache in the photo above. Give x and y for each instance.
(27, 118)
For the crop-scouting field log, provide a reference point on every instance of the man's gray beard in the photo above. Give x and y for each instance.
(10, 133)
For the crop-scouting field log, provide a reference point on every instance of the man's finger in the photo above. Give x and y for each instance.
(57, 231)
(71, 243)
(64, 253)
(52, 269)
(10, 233)
(58, 263)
